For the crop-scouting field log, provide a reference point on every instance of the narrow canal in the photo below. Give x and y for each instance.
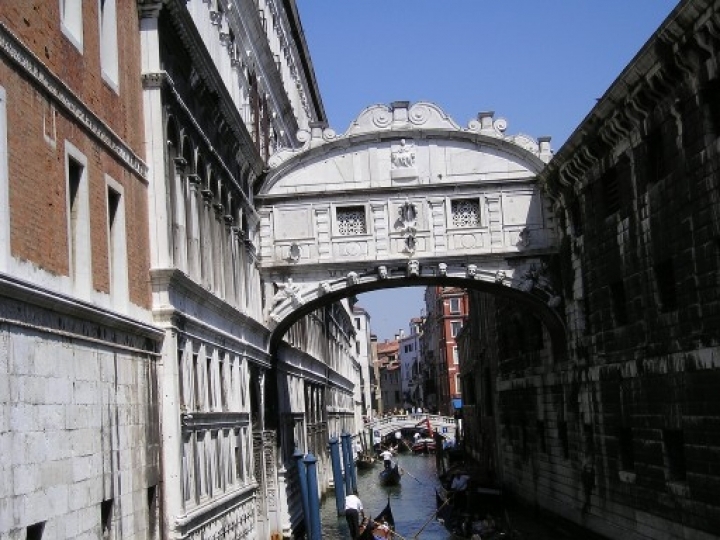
(413, 505)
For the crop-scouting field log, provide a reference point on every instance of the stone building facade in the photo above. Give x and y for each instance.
(79, 428)
(617, 430)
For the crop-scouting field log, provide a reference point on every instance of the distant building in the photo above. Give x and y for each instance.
(446, 311)
(363, 350)
(410, 357)
(388, 363)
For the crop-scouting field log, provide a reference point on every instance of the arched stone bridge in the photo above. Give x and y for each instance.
(445, 425)
(405, 197)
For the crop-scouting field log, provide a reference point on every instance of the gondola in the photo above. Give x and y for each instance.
(424, 446)
(390, 476)
(463, 524)
(365, 461)
(375, 529)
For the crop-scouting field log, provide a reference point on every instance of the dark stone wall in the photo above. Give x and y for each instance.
(622, 435)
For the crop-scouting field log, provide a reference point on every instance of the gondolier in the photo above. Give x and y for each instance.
(354, 513)
(386, 455)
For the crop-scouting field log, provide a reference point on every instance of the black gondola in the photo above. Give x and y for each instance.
(463, 524)
(390, 476)
(374, 529)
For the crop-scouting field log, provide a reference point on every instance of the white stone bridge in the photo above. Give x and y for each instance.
(445, 425)
(406, 197)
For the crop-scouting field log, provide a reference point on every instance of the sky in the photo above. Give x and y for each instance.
(541, 65)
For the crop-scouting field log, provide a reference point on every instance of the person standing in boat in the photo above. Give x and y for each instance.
(354, 513)
(386, 455)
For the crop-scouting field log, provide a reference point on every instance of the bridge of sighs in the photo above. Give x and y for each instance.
(405, 197)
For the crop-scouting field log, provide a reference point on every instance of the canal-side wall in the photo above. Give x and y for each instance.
(620, 431)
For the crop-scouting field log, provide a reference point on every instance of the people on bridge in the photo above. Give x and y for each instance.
(354, 513)
(386, 455)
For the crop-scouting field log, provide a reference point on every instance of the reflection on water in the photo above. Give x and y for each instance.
(413, 501)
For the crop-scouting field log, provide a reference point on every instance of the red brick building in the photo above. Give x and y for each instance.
(446, 312)
(80, 430)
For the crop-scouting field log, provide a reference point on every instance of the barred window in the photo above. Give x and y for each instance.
(351, 220)
(465, 213)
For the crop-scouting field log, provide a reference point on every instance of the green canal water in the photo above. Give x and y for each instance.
(413, 506)
(412, 502)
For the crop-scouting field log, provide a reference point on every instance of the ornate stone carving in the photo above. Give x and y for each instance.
(500, 277)
(471, 272)
(382, 272)
(442, 269)
(288, 290)
(324, 287)
(413, 268)
(403, 156)
(352, 278)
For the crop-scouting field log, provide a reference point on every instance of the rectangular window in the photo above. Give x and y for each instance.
(216, 463)
(454, 305)
(201, 464)
(238, 456)
(619, 302)
(610, 191)
(188, 469)
(656, 163)
(455, 356)
(351, 220)
(357, 323)
(35, 531)
(71, 22)
(78, 211)
(674, 446)
(152, 510)
(625, 449)
(117, 248)
(455, 327)
(465, 213)
(540, 430)
(563, 436)
(108, 42)
(106, 517)
(666, 286)
(209, 380)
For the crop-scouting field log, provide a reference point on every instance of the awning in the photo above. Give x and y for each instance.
(457, 403)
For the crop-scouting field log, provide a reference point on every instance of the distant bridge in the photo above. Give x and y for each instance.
(445, 425)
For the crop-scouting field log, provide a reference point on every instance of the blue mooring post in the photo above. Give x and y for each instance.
(337, 476)
(313, 498)
(351, 457)
(346, 461)
(302, 475)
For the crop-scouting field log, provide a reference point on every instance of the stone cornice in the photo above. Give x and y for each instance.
(65, 98)
(202, 61)
(659, 65)
(75, 313)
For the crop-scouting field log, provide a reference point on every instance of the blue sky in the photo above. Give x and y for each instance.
(541, 65)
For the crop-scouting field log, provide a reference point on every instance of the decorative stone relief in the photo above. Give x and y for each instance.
(403, 156)
(413, 268)
(442, 269)
(352, 278)
(402, 161)
(500, 277)
(324, 287)
(471, 271)
(290, 291)
(382, 272)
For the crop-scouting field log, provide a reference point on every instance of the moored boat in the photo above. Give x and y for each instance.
(425, 445)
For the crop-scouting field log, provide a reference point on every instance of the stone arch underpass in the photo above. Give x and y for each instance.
(406, 197)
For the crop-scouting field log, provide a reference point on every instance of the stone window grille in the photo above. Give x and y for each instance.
(351, 220)
(465, 213)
